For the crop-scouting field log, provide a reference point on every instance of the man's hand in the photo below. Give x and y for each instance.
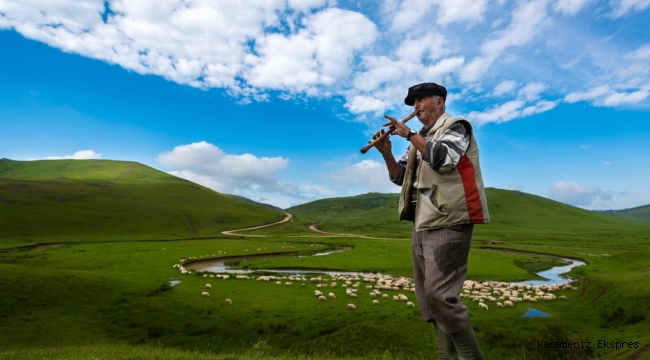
(384, 145)
(400, 128)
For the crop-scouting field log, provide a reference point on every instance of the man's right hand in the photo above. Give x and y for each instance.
(384, 145)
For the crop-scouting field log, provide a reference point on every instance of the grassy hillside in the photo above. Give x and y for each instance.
(641, 213)
(514, 215)
(105, 200)
(245, 199)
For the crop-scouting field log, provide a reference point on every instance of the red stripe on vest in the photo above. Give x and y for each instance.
(474, 208)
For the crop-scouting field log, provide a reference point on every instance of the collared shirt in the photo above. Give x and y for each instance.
(442, 155)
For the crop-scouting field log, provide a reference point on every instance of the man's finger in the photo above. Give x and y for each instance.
(392, 119)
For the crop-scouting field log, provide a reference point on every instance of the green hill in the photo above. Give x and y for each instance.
(641, 213)
(111, 200)
(514, 215)
(245, 199)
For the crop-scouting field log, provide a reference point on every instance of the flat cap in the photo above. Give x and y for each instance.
(425, 89)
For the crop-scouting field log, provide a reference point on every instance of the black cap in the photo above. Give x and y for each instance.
(425, 89)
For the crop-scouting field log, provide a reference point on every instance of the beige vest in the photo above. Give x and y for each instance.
(445, 199)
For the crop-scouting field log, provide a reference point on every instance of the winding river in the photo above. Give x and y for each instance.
(552, 276)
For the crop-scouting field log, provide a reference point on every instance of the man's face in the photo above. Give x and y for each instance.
(429, 107)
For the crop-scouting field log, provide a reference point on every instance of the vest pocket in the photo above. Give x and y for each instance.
(432, 207)
(437, 199)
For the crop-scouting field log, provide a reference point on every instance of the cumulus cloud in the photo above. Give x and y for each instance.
(79, 155)
(369, 174)
(405, 15)
(578, 195)
(206, 159)
(318, 49)
(246, 175)
(318, 54)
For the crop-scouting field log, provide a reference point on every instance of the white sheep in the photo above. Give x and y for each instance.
(352, 307)
(409, 304)
(205, 293)
(228, 301)
(508, 303)
(499, 304)
(352, 295)
(375, 302)
(318, 293)
(208, 286)
(483, 306)
(322, 298)
(332, 296)
(385, 296)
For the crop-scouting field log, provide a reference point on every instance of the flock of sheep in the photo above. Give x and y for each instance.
(511, 293)
(504, 294)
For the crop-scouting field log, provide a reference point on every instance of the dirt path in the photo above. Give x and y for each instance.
(313, 227)
(287, 217)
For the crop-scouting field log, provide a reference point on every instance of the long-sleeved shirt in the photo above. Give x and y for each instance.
(442, 155)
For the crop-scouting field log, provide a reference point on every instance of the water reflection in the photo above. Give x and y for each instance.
(532, 312)
(554, 275)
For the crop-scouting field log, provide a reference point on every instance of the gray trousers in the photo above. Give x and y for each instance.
(440, 266)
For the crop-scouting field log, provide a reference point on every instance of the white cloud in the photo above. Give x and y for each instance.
(360, 104)
(409, 14)
(528, 20)
(604, 95)
(623, 7)
(510, 110)
(623, 98)
(594, 198)
(570, 7)
(205, 159)
(642, 53)
(319, 54)
(368, 174)
(246, 175)
(532, 90)
(79, 155)
(317, 49)
(504, 87)
(459, 10)
(575, 194)
(592, 94)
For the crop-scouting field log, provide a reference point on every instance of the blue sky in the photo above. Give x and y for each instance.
(272, 100)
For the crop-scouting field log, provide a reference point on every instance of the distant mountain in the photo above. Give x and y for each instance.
(105, 200)
(513, 214)
(255, 202)
(641, 213)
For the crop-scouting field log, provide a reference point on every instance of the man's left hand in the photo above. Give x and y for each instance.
(400, 128)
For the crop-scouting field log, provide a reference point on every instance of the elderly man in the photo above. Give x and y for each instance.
(443, 194)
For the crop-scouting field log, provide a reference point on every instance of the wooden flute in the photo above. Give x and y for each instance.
(372, 143)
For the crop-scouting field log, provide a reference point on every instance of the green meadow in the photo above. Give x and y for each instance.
(105, 293)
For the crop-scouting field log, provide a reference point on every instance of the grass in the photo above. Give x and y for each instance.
(99, 298)
(641, 213)
(100, 200)
(515, 216)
